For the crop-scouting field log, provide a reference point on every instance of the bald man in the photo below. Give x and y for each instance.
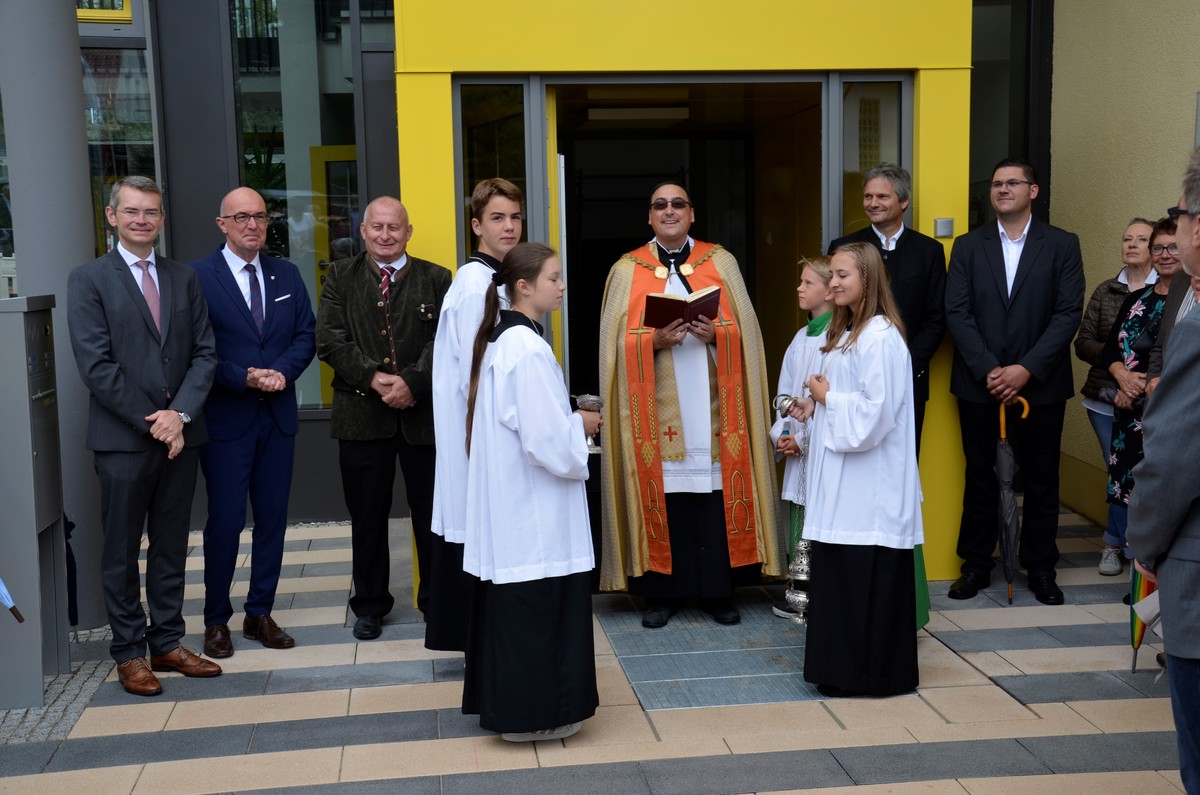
(376, 322)
(263, 323)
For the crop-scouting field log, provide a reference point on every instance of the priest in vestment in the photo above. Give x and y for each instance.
(688, 476)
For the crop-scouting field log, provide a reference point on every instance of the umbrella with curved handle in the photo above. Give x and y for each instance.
(1010, 523)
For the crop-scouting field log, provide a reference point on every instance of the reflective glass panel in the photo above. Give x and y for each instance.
(870, 136)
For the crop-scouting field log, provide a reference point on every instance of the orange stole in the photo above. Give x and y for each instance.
(732, 432)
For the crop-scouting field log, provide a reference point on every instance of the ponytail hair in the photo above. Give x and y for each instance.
(523, 262)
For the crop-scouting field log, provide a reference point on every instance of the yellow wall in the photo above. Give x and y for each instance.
(623, 36)
(1123, 125)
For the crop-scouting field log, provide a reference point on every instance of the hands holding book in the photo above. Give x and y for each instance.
(676, 332)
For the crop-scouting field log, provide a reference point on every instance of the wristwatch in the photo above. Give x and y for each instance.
(184, 416)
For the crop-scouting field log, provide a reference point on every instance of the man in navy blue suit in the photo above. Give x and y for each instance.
(264, 327)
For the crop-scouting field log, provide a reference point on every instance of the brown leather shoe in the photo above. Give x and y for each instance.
(136, 678)
(217, 643)
(266, 631)
(181, 660)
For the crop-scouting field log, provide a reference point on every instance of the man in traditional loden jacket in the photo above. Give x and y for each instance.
(688, 478)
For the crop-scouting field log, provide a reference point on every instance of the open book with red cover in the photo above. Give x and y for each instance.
(663, 309)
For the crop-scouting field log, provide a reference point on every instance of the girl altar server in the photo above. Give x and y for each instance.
(864, 495)
(530, 664)
(802, 358)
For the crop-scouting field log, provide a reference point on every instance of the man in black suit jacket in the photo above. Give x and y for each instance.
(380, 346)
(916, 264)
(263, 324)
(1014, 299)
(144, 348)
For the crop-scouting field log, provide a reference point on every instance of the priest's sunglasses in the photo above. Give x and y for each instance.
(244, 218)
(675, 203)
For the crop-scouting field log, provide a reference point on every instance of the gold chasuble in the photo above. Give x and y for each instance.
(643, 417)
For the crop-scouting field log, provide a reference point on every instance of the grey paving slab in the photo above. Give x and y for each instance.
(92, 752)
(342, 676)
(329, 543)
(1090, 634)
(1099, 753)
(698, 665)
(744, 773)
(449, 669)
(425, 785)
(301, 544)
(726, 691)
(181, 688)
(390, 727)
(322, 569)
(90, 650)
(1082, 686)
(24, 759)
(625, 778)
(974, 640)
(318, 599)
(706, 637)
(453, 723)
(1149, 679)
(932, 761)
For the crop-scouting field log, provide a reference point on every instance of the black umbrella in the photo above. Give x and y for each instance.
(1010, 523)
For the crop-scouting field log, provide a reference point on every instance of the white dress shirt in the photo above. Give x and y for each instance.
(1012, 251)
(237, 266)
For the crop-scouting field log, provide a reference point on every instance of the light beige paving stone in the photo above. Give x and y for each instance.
(1016, 617)
(434, 758)
(612, 682)
(944, 787)
(614, 726)
(941, 622)
(330, 582)
(405, 698)
(969, 704)
(1113, 613)
(123, 719)
(300, 617)
(941, 667)
(1127, 714)
(114, 780)
(1173, 778)
(1088, 575)
(339, 555)
(272, 708)
(870, 713)
(989, 663)
(1146, 782)
(778, 740)
(196, 563)
(380, 651)
(1050, 720)
(556, 754)
(600, 638)
(1073, 520)
(1069, 659)
(241, 773)
(245, 660)
(754, 719)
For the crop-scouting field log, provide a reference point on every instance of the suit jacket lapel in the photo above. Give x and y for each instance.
(1029, 254)
(270, 294)
(994, 253)
(226, 279)
(130, 283)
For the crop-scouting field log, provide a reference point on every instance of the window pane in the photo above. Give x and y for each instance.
(116, 98)
(493, 140)
(8, 265)
(296, 125)
(870, 136)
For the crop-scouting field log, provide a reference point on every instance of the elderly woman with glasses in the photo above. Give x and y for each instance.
(1127, 357)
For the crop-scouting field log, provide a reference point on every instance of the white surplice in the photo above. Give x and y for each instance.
(526, 506)
(863, 484)
(802, 359)
(462, 312)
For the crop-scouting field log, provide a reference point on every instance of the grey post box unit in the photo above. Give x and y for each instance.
(32, 543)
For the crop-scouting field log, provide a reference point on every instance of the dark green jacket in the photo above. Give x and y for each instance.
(352, 339)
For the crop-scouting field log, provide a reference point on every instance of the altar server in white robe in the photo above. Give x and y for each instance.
(864, 494)
(530, 666)
(496, 221)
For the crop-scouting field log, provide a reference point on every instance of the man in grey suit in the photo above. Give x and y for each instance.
(1164, 512)
(144, 348)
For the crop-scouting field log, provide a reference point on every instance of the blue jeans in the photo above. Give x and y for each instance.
(1184, 677)
(1118, 515)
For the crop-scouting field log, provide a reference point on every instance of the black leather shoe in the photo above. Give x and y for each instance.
(969, 585)
(368, 627)
(1045, 590)
(722, 613)
(657, 616)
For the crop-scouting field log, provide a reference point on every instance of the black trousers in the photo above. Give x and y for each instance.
(368, 472)
(145, 490)
(1036, 442)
